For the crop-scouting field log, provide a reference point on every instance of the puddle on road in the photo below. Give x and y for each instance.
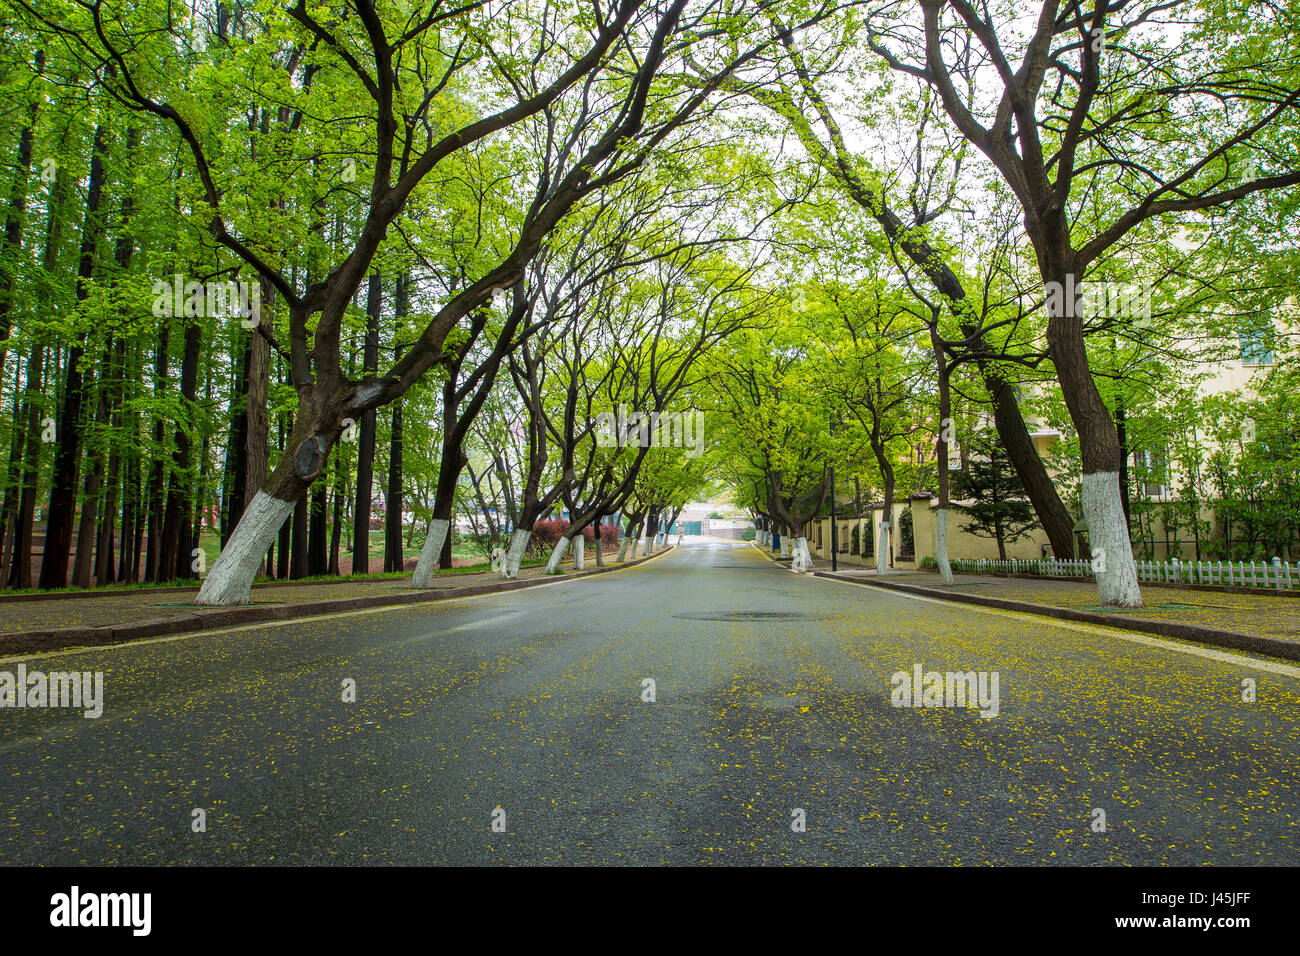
(746, 616)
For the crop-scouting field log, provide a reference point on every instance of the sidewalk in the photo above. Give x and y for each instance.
(48, 621)
(1258, 621)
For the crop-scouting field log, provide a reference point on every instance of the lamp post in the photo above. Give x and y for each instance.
(834, 525)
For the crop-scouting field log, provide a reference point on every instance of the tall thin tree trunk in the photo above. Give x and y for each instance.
(366, 445)
(284, 543)
(257, 445)
(336, 530)
(86, 530)
(316, 541)
(67, 460)
(15, 219)
(941, 455)
(1121, 430)
(21, 569)
(155, 491)
(393, 554)
(298, 555)
(235, 478)
(174, 555)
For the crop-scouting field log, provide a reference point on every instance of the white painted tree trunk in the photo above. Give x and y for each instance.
(801, 557)
(941, 545)
(599, 545)
(785, 546)
(882, 548)
(428, 563)
(557, 555)
(647, 544)
(622, 548)
(231, 579)
(515, 556)
(1112, 555)
(579, 553)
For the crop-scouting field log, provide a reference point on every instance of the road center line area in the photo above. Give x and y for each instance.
(708, 707)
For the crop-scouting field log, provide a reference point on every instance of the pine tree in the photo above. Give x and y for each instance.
(992, 496)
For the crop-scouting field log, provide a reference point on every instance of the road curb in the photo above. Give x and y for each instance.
(1271, 646)
(206, 619)
(118, 591)
(1177, 585)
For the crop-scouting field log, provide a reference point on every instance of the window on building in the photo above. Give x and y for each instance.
(1257, 345)
(1152, 472)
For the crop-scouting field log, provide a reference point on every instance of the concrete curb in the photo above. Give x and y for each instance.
(206, 619)
(1217, 588)
(1271, 646)
(117, 591)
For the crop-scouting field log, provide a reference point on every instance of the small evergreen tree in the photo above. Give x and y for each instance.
(994, 499)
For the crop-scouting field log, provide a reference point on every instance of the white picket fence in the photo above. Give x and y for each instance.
(1250, 574)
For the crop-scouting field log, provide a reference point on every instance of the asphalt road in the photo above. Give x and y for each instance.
(772, 695)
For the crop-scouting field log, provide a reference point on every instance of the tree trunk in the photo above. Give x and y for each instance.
(366, 445)
(800, 556)
(298, 547)
(557, 555)
(173, 554)
(393, 556)
(257, 446)
(1121, 431)
(129, 559)
(20, 569)
(941, 457)
(1040, 489)
(105, 573)
(450, 465)
(67, 460)
(316, 554)
(1113, 565)
(15, 219)
(87, 528)
(515, 555)
(157, 474)
(336, 529)
(235, 478)
(393, 497)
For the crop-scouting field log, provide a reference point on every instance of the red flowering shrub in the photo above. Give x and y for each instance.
(548, 530)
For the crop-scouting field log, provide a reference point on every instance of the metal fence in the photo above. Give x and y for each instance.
(1277, 574)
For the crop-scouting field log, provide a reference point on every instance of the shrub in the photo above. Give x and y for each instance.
(906, 543)
(548, 530)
